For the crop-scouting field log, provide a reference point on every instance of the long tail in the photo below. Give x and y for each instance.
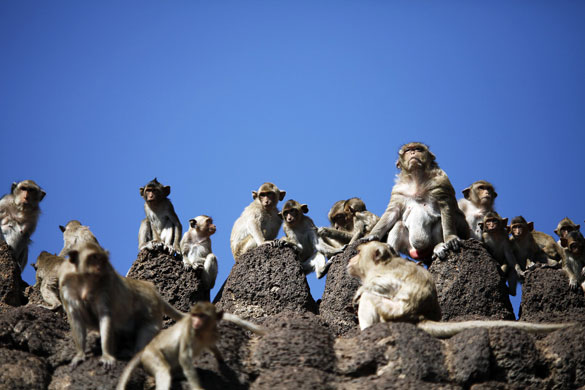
(243, 323)
(128, 371)
(448, 329)
(170, 311)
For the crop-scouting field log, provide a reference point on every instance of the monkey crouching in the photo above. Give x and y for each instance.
(177, 346)
(394, 289)
(196, 249)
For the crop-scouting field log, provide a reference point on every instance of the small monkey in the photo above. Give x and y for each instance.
(358, 222)
(340, 232)
(177, 346)
(19, 213)
(532, 248)
(564, 227)
(495, 237)
(75, 234)
(395, 289)
(574, 264)
(301, 235)
(161, 225)
(478, 199)
(422, 217)
(196, 248)
(96, 297)
(50, 268)
(259, 223)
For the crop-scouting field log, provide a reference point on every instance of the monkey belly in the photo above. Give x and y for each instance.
(424, 227)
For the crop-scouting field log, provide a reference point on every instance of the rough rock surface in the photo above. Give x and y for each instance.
(305, 350)
(546, 297)
(11, 285)
(266, 281)
(470, 286)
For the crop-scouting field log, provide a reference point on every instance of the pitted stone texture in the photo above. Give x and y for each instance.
(11, 284)
(294, 378)
(22, 371)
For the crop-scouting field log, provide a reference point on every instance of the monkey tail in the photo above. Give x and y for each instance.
(170, 311)
(244, 324)
(128, 371)
(448, 329)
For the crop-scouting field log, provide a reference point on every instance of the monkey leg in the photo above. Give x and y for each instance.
(512, 282)
(50, 294)
(107, 341)
(367, 313)
(146, 333)
(210, 267)
(78, 332)
(244, 246)
(157, 365)
(398, 238)
(144, 233)
(317, 263)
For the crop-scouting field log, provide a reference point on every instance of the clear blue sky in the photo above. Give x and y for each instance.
(214, 98)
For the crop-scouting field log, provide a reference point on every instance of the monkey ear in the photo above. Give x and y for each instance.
(142, 191)
(282, 195)
(167, 190)
(13, 187)
(73, 257)
(466, 192)
(530, 226)
(381, 254)
(193, 223)
(480, 224)
(398, 164)
(505, 221)
(34, 266)
(62, 228)
(304, 208)
(280, 215)
(578, 227)
(564, 242)
(495, 194)
(254, 194)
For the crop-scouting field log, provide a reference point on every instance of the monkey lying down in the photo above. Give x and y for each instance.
(395, 289)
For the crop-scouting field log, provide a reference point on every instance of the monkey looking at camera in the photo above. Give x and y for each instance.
(532, 248)
(301, 235)
(574, 264)
(259, 223)
(422, 217)
(95, 297)
(19, 213)
(395, 289)
(478, 199)
(75, 234)
(161, 227)
(177, 346)
(564, 227)
(196, 249)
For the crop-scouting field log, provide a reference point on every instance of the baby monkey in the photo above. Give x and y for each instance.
(574, 264)
(177, 346)
(196, 249)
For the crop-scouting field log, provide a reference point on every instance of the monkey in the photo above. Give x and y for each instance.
(259, 223)
(478, 199)
(96, 297)
(19, 214)
(161, 225)
(340, 231)
(301, 235)
(495, 236)
(564, 227)
(532, 248)
(355, 220)
(49, 269)
(395, 289)
(177, 346)
(574, 264)
(74, 234)
(422, 216)
(196, 248)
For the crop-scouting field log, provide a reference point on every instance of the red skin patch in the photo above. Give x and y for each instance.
(420, 255)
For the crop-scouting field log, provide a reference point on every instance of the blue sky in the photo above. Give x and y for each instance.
(215, 98)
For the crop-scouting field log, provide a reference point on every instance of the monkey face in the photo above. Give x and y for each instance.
(291, 216)
(491, 224)
(27, 193)
(485, 194)
(341, 221)
(413, 156)
(574, 242)
(518, 230)
(267, 200)
(565, 230)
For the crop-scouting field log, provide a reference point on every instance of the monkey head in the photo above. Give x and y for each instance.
(154, 191)
(203, 224)
(292, 212)
(492, 223)
(354, 205)
(480, 193)
(339, 219)
(520, 228)
(204, 316)
(27, 193)
(574, 242)
(268, 195)
(415, 156)
(369, 254)
(565, 227)
(70, 225)
(90, 258)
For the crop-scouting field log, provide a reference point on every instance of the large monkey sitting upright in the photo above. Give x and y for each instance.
(259, 223)
(422, 218)
(477, 202)
(161, 225)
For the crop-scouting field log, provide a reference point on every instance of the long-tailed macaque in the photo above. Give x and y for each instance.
(422, 217)
(496, 238)
(574, 262)
(340, 231)
(564, 227)
(395, 289)
(50, 268)
(478, 199)
(259, 223)
(19, 213)
(532, 248)
(161, 227)
(196, 249)
(177, 346)
(75, 234)
(352, 222)
(301, 235)
(95, 297)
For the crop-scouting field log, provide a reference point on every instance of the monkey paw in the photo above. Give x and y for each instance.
(77, 360)
(107, 361)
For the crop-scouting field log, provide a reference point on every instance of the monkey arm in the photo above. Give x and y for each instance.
(253, 226)
(388, 219)
(335, 234)
(107, 338)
